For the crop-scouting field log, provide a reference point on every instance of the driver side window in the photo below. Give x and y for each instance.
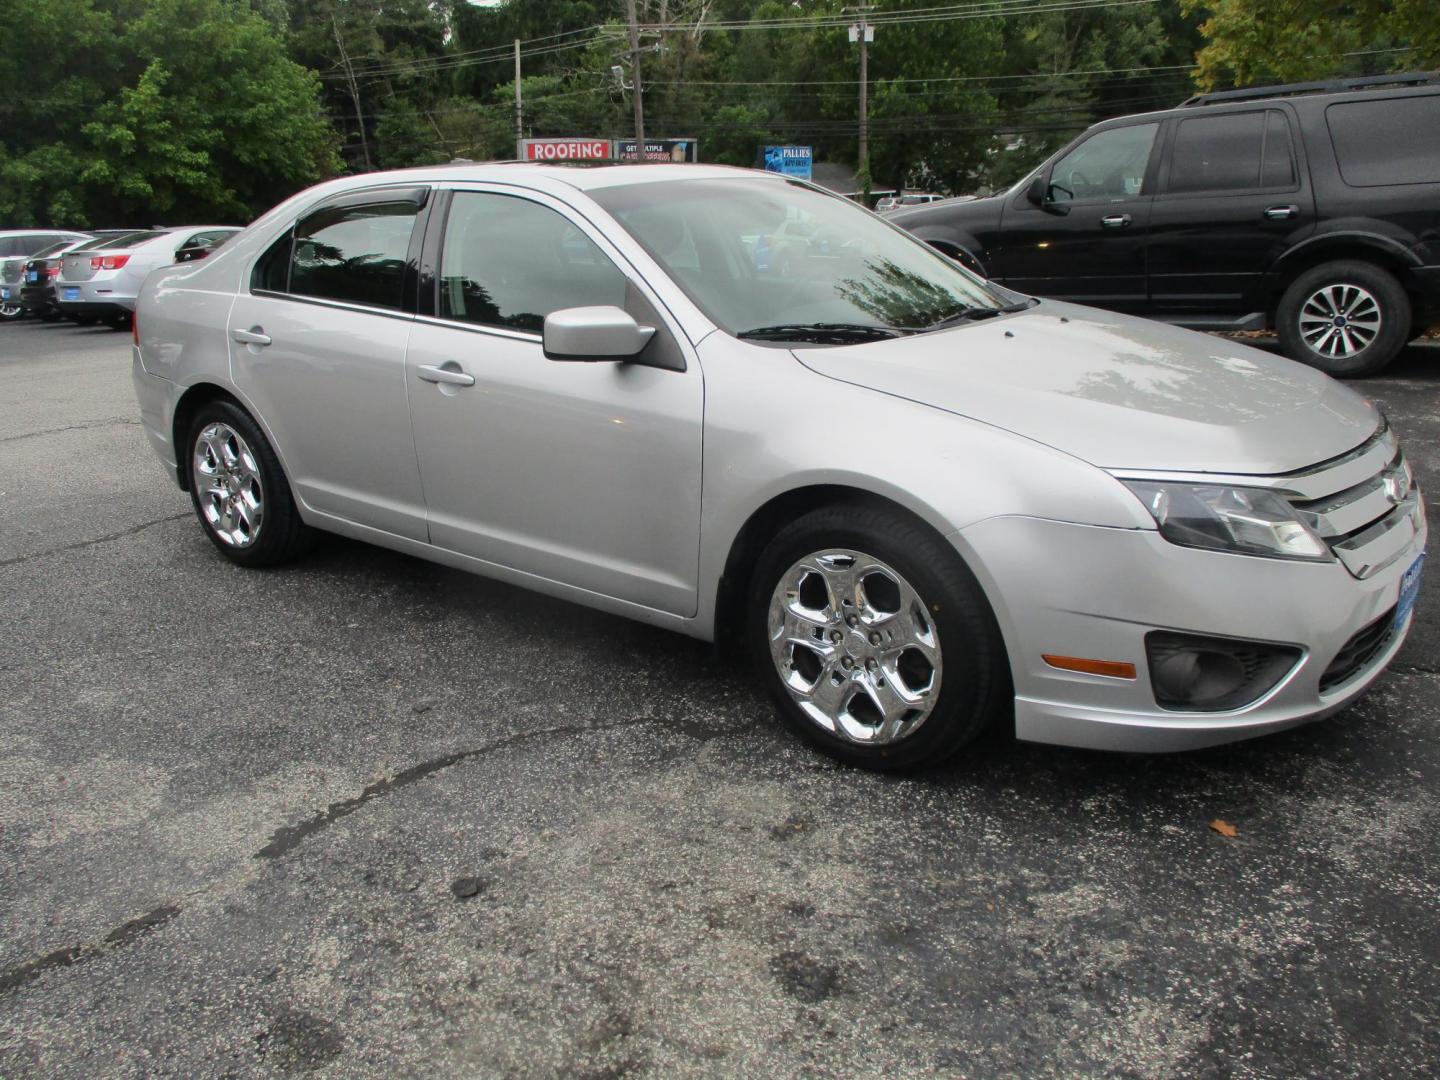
(509, 262)
(1107, 166)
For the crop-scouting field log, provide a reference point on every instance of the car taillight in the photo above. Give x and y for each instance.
(52, 271)
(108, 262)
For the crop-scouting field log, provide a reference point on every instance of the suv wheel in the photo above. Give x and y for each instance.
(1347, 318)
(874, 639)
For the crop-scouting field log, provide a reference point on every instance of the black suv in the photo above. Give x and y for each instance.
(1313, 209)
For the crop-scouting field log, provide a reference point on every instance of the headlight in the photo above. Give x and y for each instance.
(1246, 521)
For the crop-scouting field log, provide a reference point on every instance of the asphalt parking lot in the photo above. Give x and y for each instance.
(367, 816)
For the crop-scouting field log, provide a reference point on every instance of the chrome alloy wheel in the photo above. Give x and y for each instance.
(854, 646)
(1339, 320)
(10, 309)
(228, 485)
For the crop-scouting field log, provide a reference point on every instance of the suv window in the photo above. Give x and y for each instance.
(350, 253)
(1386, 141)
(1232, 152)
(1109, 165)
(510, 262)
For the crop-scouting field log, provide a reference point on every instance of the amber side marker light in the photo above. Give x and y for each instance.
(1110, 669)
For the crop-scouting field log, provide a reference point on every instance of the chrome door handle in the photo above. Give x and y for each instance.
(1281, 213)
(1115, 221)
(449, 376)
(253, 336)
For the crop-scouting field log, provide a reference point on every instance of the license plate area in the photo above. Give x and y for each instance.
(72, 292)
(1409, 592)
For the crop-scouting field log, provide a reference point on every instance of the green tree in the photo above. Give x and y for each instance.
(163, 110)
(1252, 42)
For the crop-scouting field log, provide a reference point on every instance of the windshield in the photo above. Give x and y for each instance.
(754, 253)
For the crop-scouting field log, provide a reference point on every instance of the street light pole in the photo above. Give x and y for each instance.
(635, 79)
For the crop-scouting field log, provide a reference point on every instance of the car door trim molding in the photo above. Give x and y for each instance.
(343, 305)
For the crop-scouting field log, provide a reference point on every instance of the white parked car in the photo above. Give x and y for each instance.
(102, 280)
(923, 504)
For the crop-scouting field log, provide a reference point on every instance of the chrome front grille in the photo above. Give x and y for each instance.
(1364, 504)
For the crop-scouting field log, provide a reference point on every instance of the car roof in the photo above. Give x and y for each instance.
(581, 176)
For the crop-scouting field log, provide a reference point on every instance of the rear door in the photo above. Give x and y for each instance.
(1087, 244)
(1234, 194)
(318, 346)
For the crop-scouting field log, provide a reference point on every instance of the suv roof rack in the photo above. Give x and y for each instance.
(1327, 86)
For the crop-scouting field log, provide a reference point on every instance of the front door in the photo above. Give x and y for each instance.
(587, 474)
(1087, 243)
(317, 343)
(1232, 198)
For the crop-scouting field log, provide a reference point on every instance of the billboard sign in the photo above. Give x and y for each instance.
(565, 149)
(659, 149)
(790, 160)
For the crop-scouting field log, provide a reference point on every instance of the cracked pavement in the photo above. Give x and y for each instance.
(365, 816)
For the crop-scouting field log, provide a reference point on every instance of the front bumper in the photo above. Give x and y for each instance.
(1076, 590)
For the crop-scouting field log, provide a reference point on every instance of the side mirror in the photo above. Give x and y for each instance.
(1035, 193)
(594, 333)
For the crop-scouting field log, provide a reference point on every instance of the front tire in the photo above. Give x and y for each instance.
(238, 490)
(874, 639)
(10, 311)
(1347, 318)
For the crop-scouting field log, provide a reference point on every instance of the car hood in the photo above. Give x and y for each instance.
(1117, 391)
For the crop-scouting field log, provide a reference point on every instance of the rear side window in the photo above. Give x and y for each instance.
(124, 240)
(510, 262)
(1232, 152)
(1387, 141)
(351, 253)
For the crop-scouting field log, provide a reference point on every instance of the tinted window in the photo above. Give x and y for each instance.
(1278, 169)
(510, 262)
(354, 253)
(1218, 153)
(1108, 165)
(1387, 141)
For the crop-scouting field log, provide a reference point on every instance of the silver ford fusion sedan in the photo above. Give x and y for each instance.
(921, 503)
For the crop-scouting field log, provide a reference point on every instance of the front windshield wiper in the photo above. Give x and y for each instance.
(822, 333)
(971, 314)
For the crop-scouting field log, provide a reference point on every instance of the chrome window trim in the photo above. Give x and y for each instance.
(342, 305)
(480, 328)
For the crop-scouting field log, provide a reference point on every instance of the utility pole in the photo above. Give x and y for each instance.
(519, 123)
(635, 78)
(864, 33)
(864, 151)
(354, 91)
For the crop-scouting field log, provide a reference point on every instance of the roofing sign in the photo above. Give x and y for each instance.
(789, 160)
(566, 149)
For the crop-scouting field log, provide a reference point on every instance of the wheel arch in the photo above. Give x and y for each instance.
(762, 524)
(191, 401)
(1386, 253)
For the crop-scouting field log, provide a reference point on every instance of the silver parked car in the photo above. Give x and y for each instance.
(923, 504)
(17, 246)
(101, 281)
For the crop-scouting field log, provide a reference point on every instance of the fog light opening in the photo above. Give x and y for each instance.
(1192, 673)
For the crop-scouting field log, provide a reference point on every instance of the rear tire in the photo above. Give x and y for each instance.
(11, 311)
(1348, 318)
(874, 639)
(238, 490)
